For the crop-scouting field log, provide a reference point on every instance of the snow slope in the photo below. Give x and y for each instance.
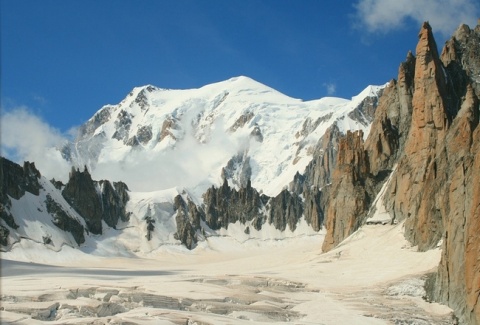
(36, 224)
(374, 277)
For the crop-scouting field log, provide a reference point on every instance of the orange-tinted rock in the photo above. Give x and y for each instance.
(392, 120)
(458, 278)
(348, 200)
(436, 146)
(417, 171)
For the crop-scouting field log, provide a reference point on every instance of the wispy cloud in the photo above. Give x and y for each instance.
(189, 163)
(383, 16)
(331, 88)
(25, 136)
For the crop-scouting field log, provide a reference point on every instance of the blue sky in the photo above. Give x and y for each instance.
(61, 61)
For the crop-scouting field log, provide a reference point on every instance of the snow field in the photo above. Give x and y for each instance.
(374, 277)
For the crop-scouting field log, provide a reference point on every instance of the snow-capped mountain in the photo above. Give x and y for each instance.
(185, 159)
(157, 138)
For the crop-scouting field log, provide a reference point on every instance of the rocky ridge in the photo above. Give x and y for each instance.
(96, 201)
(427, 125)
(64, 205)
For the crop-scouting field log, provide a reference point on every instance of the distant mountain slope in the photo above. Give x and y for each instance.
(158, 138)
(196, 161)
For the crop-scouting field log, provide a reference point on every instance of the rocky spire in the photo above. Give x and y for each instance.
(392, 121)
(96, 201)
(81, 193)
(429, 123)
(430, 115)
(348, 201)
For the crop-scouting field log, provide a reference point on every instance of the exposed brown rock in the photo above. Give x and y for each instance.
(417, 169)
(241, 121)
(428, 125)
(349, 200)
(458, 282)
(392, 121)
(168, 124)
(472, 249)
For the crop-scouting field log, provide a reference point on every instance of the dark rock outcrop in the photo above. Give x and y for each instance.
(144, 134)
(318, 172)
(365, 112)
(81, 194)
(64, 221)
(225, 205)
(122, 125)
(97, 120)
(188, 217)
(238, 170)
(4, 232)
(15, 180)
(114, 200)
(96, 201)
(285, 209)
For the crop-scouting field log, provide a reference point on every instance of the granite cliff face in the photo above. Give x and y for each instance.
(458, 277)
(351, 192)
(425, 135)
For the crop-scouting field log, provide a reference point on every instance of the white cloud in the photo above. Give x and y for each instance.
(383, 16)
(188, 164)
(26, 137)
(331, 88)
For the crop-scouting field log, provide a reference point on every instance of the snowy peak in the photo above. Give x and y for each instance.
(156, 139)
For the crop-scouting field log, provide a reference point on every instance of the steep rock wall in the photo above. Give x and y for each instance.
(410, 191)
(427, 124)
(348, 194)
